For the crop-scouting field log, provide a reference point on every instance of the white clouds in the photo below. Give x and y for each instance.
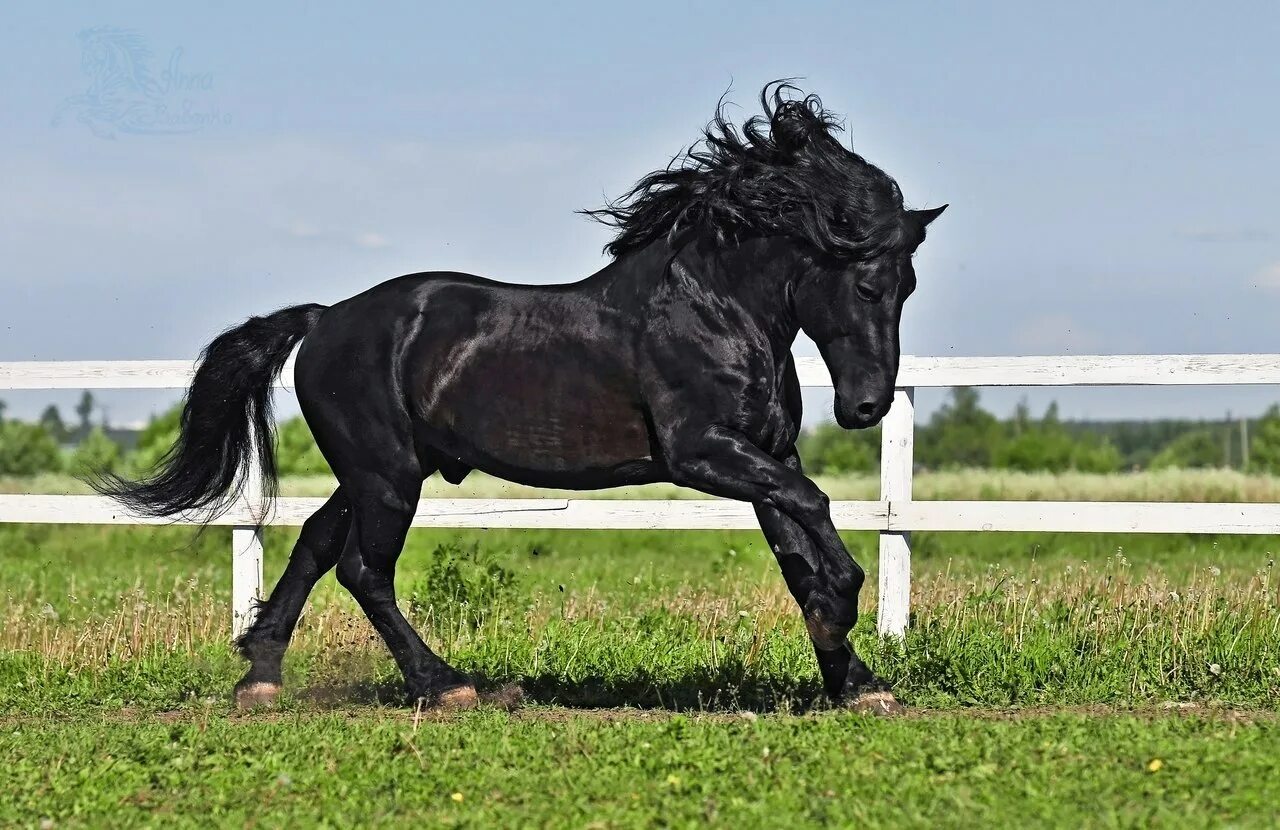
(302, 230)
(1268, 277)
(309, 232)
(1211, 234)
(371, 240)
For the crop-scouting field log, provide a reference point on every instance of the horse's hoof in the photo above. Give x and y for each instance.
(876, 703)
(456, 699)
(256, 695)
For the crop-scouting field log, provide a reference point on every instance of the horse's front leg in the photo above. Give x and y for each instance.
(796, 517)
(846, 678)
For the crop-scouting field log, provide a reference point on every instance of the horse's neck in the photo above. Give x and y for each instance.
(758, 275)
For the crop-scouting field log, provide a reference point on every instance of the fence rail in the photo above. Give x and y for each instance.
(894, 516)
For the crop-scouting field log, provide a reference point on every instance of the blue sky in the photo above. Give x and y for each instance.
(1113, 169)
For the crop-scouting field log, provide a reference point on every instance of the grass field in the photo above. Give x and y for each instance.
(1052, 679)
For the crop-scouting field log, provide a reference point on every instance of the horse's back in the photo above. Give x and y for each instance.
(533, 383)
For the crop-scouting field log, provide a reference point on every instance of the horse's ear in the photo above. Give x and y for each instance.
(924, 217)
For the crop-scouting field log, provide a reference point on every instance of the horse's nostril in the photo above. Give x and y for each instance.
(867, 408)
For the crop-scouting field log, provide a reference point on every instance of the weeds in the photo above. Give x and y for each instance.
(463, 584)
(1080, 634)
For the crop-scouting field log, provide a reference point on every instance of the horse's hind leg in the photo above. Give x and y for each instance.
(315, 553)
(383, 506)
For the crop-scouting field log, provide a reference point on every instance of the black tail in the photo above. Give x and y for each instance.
(228, 404)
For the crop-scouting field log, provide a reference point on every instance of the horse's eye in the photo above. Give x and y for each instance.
(869, 293)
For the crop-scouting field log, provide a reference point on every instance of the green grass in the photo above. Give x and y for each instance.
(541, 769)
(689, 620)
(639, 652)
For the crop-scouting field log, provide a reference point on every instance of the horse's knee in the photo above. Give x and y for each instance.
(849, 584)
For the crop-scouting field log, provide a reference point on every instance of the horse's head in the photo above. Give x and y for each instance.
(851, 309)
(848, 217)
(784, 175)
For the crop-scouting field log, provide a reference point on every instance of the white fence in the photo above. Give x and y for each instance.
(895, 515)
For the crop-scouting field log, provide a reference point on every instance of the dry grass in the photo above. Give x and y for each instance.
(1210, 620)
(996, 485)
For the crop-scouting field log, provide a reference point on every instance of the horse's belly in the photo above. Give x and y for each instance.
(536, 416)
(562, 440)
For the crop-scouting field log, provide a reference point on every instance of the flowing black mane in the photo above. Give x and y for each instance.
(783, 173)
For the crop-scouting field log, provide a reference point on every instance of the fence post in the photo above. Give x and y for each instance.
(246, 556)
(896, 461)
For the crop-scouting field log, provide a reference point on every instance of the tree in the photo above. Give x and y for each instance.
(27, 449)
(1264, 446)
(1037, 447)
(85, 409)
(1093, 456)
(830, 449)
(961, 433)
(1047, 445)
(1021, 417)
(51, 420)
(1191, 450)
(296, 451)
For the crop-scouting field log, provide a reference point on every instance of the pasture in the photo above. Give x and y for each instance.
(1059, 679)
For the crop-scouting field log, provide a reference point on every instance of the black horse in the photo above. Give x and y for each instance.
(673, 363)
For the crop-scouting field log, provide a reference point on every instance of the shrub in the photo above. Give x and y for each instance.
(27, 449)
(1092, 456)
(154, 441)
(1193, 450)
(296, 451)
(1264, 451)
(96, 454)
(463, 584)
(960, 434)
(827, 448)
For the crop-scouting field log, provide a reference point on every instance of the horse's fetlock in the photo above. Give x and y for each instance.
(258, 648)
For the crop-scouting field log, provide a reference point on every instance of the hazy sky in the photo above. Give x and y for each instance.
(1113, 169)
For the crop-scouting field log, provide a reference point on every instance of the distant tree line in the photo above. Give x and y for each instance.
(959, 434)
(963, 434)
(51, 445)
